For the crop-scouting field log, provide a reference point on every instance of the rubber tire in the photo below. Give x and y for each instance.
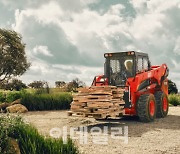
(142, 108)
(159, 95)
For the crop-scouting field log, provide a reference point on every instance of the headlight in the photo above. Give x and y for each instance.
(102, 80)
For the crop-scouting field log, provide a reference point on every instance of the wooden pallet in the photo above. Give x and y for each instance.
(102, 115)
(98, 102)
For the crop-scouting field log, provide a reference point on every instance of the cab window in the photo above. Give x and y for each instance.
(142, 63)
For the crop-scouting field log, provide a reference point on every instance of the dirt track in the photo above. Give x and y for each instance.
(161, 136)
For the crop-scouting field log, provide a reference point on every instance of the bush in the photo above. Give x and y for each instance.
(12, 96)
(42, 91)
(13, 84)
(40, 102)
(29, 140)
(172, 88)
(174, 99)
(2, 97)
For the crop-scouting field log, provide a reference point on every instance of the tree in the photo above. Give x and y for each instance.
(37, 84)
(60, 84)
(74, 84)
(13, 61)
(40, 86)
(13, 84)
(172, 88)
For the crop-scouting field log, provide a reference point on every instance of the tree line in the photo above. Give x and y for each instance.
(16, 84)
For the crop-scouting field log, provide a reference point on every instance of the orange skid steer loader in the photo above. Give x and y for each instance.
(129, 86)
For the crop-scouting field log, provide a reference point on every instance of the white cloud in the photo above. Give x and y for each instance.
(116, 9)
(41, 70)
(157, 6)
(41, 14)
(177, 46)
(42, 50)
(138, 3)
(154, 28)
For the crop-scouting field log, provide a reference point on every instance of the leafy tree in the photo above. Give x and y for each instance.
(13, 84)
(172, 87)
(37, 84)
(60, 84)
(74, 84)
(40, 86)
(13, 61)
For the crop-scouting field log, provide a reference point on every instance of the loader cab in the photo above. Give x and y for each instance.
(123, 65)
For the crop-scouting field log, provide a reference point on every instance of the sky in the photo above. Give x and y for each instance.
(67, 39)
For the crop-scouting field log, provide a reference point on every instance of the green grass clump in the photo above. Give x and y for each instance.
(2, 97)
(12, 96)
(174, 99)
(35, 101)
(40, 102)
(29, 140)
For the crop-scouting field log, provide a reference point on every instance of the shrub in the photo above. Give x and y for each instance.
(42, 91)
(12, 96)
(42, 102)
(174, 99)
(172, 88)
(13, 84)
(2, 97)
(29, 140)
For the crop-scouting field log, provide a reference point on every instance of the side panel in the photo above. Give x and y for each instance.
(164, 86)
(155, 76)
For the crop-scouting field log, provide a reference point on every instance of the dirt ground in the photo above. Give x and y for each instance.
(161, 136)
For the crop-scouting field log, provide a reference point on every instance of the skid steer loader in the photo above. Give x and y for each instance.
(129, 86)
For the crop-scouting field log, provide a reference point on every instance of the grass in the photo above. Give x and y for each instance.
(29, 140)
(41, 102)
(34, 100)
(174, 99)
(10, 96)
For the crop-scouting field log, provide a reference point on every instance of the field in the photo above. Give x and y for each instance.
(159, 137)
(48, 113)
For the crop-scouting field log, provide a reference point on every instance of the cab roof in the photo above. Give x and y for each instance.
(126, 53)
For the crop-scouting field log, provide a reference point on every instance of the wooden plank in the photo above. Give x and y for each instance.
(117, 95)
(101, 93)
(80, 110)
(98, 97)
(100, 103)
(75, 107)
(99, 100)
(80, 103)
(98, 107)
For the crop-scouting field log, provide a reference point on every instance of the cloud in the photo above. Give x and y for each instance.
(177, 46)
(37, 33)
(42, 50)
(71, 39)
(41, 70)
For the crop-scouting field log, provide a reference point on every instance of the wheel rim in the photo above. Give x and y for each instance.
(152, 108)
(165, 104)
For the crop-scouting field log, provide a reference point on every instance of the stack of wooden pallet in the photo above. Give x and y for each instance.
(98, 102)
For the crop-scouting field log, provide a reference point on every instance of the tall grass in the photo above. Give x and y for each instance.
(29, 140)
(10, 96)
(174, 99)
(41, 102)
(36, 101)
